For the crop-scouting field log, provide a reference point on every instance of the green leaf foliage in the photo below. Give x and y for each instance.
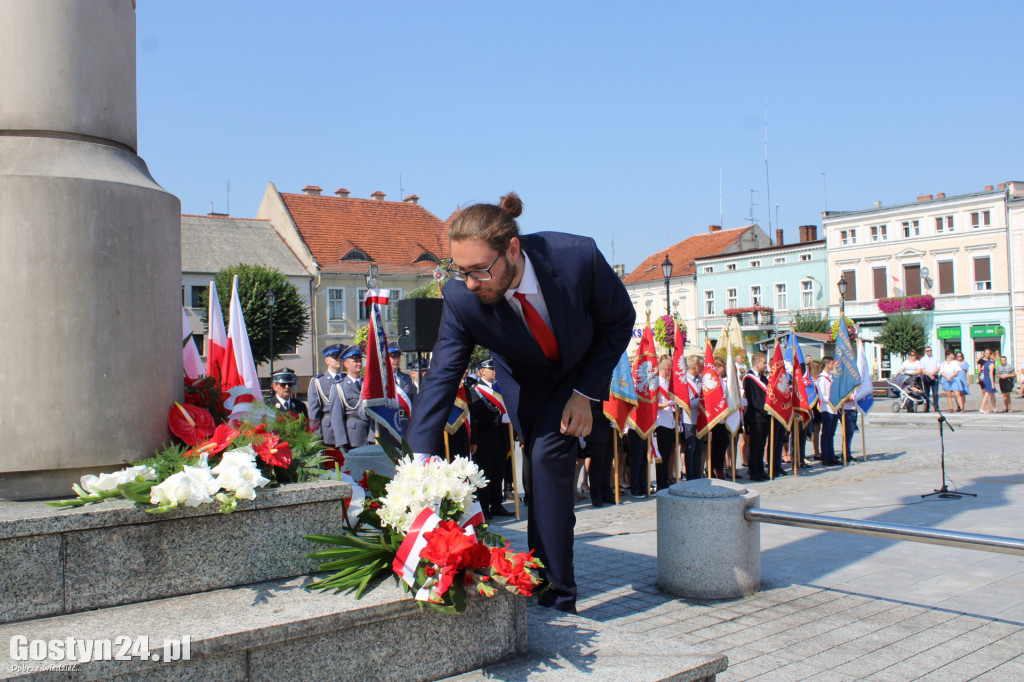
(291, 314)
(811, 323)
(903, 333)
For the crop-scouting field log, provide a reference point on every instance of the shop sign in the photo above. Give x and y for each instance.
(950, 332)
(987, 331)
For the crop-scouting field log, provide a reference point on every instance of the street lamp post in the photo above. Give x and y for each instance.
(271, 301)
(842, 295)
(666, 269)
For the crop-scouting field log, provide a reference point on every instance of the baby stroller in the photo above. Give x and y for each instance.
(909, 392)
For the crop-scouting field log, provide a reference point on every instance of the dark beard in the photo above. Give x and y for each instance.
(495, 297)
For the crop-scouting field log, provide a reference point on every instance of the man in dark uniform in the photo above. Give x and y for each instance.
(353, 431)
(756, 421)
(283, 383)
(402, 380)
(324, 405)
(489, 437)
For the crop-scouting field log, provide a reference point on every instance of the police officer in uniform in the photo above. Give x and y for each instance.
(354, 429)
(489, 436)
(324, 405)
(402, 380)
(283, 399)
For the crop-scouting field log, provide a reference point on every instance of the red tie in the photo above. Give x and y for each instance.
(540, 330)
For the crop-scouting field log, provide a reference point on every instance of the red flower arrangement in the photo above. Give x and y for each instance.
(905, 303)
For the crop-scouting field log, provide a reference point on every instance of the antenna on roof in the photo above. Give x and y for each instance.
(401, 190)
(752, 205)
(767, 185)
(824, 188)
(229, 197)
(721, 222)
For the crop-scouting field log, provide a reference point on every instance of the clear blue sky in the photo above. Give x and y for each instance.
(612, 119)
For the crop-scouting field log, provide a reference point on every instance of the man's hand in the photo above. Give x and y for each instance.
(576, 417)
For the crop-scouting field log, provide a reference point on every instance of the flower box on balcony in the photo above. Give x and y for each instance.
(905, 303)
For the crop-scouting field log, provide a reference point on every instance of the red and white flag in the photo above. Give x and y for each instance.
(217, 365)
(240, 356)
(378, 296)
(645, 379)
(713, 405)
(380, 397)
(678, 386)
(191, 360)
(778, 401)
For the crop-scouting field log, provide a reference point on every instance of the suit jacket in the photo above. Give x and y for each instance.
(325, 407)
(353, 429)
(488, 431)
(298, 407)
(592, 319)
(404, 381)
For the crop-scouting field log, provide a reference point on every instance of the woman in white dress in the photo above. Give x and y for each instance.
(949, 371)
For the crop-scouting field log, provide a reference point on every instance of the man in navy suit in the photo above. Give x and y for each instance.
(556, 318)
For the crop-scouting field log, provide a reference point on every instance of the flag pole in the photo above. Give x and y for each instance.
(650, 463)
(710, 475)
(732, 455)
(795, 453)
(679, 460)
(771, 450)
(515, 469)
(447, 451)
(863, 428)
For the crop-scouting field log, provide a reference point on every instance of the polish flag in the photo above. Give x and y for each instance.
(240, 353)
(378, 296)
(191, 360)
(217, 365)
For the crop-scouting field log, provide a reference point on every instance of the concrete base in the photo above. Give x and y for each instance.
(72, 560)
(278, 631)
(706, 549)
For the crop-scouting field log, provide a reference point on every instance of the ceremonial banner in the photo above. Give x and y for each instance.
(645, 380)
(779, 399)
(732, 393)
(622, 394)
(217, 365)
(191, 360)
(866, 391)
(239, 351)
(379, 398)
(802, 384)
(459, 413)
(713, 404)
(678, 386)
(845, 377)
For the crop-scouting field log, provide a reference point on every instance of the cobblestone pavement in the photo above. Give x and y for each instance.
(835, 606)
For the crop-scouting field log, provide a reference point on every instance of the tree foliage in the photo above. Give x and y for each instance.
(902, 334)
(812, 323)
(291, 314)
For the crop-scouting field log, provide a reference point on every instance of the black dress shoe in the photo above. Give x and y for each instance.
(501, 511)
(832, 463)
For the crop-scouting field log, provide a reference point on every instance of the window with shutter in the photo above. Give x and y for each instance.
(912, 280)
(982, 274)
(881, 283)
(946, 277)
(851, 285)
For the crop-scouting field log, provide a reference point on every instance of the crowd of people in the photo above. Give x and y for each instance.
(929, 377)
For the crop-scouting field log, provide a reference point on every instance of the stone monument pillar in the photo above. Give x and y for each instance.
(90, 324)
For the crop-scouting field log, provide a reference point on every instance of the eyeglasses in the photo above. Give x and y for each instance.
(478, 275)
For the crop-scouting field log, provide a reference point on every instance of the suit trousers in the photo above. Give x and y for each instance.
(828, 437)
(601, 455)
(639, 470)
(757, 435)
(551, 474)
(851, 428)
(931, 393)
(693, 452)
(720, 438)
(666, 437)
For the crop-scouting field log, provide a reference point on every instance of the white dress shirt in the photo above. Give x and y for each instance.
(929, 364)
(529, 287)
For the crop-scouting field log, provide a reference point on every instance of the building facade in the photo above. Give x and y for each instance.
(211, 243)
(954, 250)
(646, 283)
(338, 238)
(765, 289)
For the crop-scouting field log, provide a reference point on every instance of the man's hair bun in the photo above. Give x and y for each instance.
(512, 204)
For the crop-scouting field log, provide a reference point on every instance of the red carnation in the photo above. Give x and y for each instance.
(191, 423)
(274, 451)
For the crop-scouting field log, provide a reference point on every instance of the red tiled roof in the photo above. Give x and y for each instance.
(683, 253)
(391, 233)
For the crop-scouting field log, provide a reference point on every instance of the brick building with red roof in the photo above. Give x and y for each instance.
(646, 283)
(337, 238)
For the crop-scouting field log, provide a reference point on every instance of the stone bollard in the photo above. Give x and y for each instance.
(706, 549)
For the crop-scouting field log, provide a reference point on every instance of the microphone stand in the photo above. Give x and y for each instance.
(944, 491)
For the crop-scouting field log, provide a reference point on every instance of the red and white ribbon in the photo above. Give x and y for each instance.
(355, 503)
(407, 560)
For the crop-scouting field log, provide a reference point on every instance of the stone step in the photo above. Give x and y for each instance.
(567, 648)
(112, 553)
(278, 631)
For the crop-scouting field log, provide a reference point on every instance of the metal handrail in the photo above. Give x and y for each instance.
(892, 531)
